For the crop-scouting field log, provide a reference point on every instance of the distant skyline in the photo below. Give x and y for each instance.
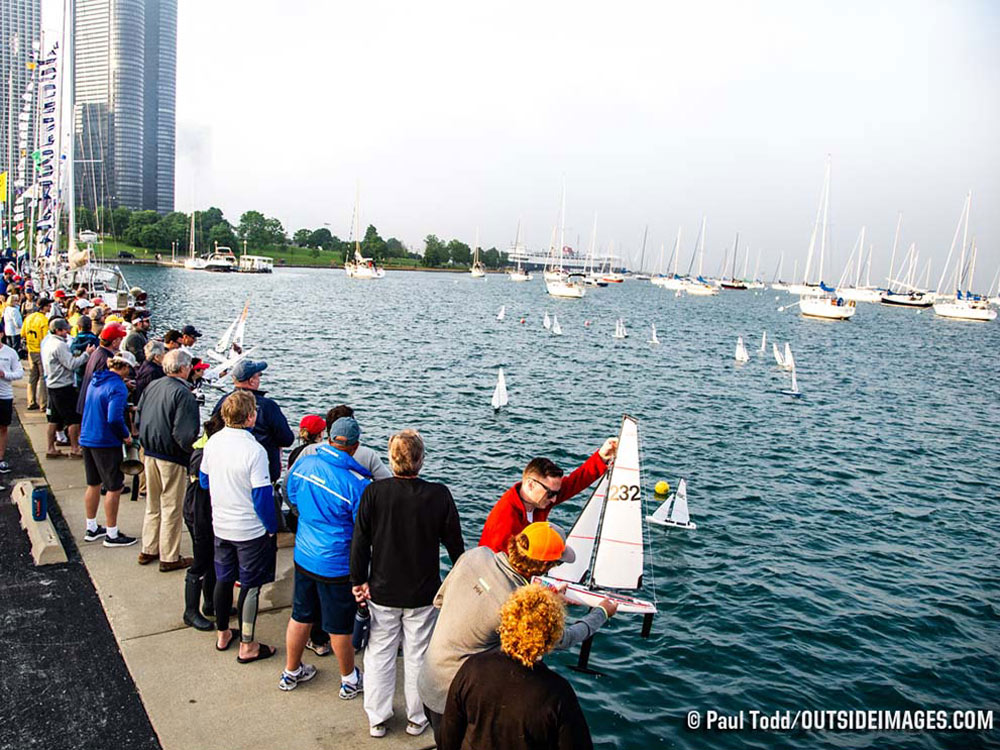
(455, 116)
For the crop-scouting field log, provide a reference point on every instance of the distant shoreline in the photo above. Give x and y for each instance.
(277, 266)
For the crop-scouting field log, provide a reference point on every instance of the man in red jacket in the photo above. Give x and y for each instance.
(542, 486)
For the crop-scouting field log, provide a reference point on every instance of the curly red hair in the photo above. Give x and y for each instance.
(531, 623)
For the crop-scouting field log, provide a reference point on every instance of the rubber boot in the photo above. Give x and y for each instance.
(192, 597)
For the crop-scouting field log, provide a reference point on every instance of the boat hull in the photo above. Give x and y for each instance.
(855, 294)
(515, 276)
(960, 311)
(701, 290)
(589, 598)
(689, 526)
(564, 290)
(906, 300)
(826, 308)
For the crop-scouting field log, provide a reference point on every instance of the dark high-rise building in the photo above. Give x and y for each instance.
(125, 73)
(20, 26)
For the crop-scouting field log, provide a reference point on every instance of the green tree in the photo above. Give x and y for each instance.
(121, 218)
(104, 219)
(152, 237)
(395, 249)
(373, 246)
(321, 238)
(301, 237)
(253, 229)
(176, 226)
(223, 234)
(275, 234)
(435, 252)
(460, 253)
(137, 222)
(491, 257)
(86, 221)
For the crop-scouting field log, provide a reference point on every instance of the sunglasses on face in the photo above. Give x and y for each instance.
(549, 493)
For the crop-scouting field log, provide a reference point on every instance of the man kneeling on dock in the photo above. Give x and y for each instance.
(542, 486)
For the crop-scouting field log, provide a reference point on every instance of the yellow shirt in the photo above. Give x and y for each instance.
(74, 320)
(116, 318)
(34, 329)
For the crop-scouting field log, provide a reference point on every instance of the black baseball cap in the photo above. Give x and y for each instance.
(191, 331)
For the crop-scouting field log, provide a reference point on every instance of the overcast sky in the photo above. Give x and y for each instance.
(458, 115)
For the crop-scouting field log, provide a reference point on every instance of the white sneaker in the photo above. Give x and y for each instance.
(377, 731)
(291, 680)
(349, 691)
(414, 729)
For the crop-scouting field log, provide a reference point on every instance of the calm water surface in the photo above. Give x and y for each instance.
(846, 550)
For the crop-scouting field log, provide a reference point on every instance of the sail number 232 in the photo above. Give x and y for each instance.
(623, 492)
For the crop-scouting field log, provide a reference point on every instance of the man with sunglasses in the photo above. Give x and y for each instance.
(542, 486)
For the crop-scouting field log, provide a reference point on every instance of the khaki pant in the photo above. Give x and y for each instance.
(161, 527)
(38, 394)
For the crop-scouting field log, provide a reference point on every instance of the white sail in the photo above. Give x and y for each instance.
(777, 355)
(741, 351)
(680, 514)
(789, 359)
(620, 331)
(619, 560)
(795, 381)
(546, 321)
(223, 346)
(652, 335)
(502, 313)
(583, 536)
(556, 328)
(763, 343)
(500, 392)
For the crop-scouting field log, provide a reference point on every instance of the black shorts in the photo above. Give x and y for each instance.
(251, 562)
(104, 466)
(331, 605)
(6, 411)
(62, 406)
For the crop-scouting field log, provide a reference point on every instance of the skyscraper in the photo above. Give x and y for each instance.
(125, 72)
(20, 26)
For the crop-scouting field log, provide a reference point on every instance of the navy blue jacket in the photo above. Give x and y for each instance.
(271, 430)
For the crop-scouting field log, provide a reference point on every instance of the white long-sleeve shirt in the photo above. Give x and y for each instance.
(12, 320)
(10, 365)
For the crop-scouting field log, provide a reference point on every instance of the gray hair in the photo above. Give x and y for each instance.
(154, 349)
(176, 360)
(59, 324)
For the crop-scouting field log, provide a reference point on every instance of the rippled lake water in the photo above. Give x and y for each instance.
(846, 550)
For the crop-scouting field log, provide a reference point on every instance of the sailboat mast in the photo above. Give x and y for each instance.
(562, 225)
(962, 220)
(895, 244)
(357, 220)
(861, 255)
(677, 251)
(642, 256)
(736, 248)
(593, 246)
(69, 18)
(826, 211)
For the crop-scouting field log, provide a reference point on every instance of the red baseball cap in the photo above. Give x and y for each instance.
(312, 424)
(60, 294)
(201, 366)
(113, 331)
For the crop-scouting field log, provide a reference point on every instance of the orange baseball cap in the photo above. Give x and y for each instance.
(547, 542)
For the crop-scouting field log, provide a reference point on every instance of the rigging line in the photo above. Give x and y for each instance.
(649, 534)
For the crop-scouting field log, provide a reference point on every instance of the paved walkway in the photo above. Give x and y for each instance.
(195, 696)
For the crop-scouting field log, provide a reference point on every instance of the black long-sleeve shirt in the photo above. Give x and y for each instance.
(400, 525)
(496, 702)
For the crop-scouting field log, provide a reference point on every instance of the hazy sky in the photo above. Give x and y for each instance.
(457, 115)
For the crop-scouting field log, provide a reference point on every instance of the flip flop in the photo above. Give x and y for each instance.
(55, 454)
(266, 652)
(234, 636)
(77, 456)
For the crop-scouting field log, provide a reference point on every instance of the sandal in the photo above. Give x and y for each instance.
(264, 652)
(55, 454)
(234, 634)
(77, 456)
(320, 649)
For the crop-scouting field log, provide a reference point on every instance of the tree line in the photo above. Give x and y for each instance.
(150, 230)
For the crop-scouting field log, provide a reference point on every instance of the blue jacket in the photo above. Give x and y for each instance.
(271, 430)
(326, 487)
(103, 423)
